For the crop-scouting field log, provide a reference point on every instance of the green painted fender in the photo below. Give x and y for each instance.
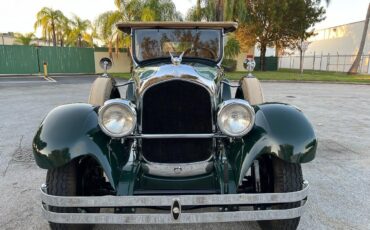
(70, 131)
(281, 130)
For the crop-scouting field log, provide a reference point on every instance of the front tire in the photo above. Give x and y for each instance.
(68, 180)
(62, 181)
(281, 176)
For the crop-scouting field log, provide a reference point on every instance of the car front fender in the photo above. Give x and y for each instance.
(281, 130)
(71, 131)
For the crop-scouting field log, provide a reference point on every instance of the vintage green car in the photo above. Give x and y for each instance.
(178, 141)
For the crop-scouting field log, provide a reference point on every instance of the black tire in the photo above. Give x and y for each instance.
(62, 181)
(285, 177)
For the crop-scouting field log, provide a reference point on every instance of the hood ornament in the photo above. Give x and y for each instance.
(176, 60)
(249, 64)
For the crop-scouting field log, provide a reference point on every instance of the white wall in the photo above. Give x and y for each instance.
(342, 40)
(121, 63)
(270, 51)
(334, 49)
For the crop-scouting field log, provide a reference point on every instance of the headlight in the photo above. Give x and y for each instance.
(235, 117)
(117, 118)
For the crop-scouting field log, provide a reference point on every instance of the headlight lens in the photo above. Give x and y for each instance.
(117, 118)
(235, 117)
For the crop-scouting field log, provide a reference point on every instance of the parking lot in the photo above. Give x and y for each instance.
(339, 176)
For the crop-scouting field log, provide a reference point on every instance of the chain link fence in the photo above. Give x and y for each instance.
(328, 62)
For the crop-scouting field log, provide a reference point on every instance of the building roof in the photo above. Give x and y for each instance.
(227, 26)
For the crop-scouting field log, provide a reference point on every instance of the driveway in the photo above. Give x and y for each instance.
(339, 176)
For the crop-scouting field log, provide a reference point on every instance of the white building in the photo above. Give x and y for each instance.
(342, 40)
(332, 49)
(9, 39)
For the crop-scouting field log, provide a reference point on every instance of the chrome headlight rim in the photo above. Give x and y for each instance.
(224, 105)
(123, 103)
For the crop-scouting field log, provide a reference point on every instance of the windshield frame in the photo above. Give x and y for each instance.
(185, 59)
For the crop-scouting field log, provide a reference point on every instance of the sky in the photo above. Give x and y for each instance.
(19, 15)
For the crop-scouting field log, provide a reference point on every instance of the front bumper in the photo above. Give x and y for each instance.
(174, 204)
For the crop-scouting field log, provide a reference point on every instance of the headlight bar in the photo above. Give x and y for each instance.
(131, 111)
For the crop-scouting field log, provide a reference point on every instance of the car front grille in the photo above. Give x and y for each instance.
(176, 107)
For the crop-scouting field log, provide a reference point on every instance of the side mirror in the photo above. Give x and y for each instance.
(105, 63)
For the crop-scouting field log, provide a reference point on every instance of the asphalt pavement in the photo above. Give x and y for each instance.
(339, 176)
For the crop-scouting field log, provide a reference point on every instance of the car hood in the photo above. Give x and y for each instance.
(208, 77)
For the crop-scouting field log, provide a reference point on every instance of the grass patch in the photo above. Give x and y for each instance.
(121, 75)
(294, 75)
(290, 75)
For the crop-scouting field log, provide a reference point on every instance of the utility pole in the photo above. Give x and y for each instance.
(356, 63)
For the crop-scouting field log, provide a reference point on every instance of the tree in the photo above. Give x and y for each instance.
(220, 10)
(79, 32)
(285, 21)
(48, 19)
(204, 10)
(214, 10)
(198, 11)
(24, 39)
(106, 30)
(132, 10)
(63, 30)
(231, 50)
(356, 63)
(306, 14)
(232, 47)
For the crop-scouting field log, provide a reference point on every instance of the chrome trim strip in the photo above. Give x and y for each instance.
(197, 200)
(178, 169)
(185, 218)
(162, 136)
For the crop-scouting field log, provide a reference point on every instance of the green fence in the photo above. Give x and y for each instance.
(30, 60)
(18, 60)
(271, 63)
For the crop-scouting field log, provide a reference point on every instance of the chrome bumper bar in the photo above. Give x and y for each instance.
(175, 216)
(174, 136)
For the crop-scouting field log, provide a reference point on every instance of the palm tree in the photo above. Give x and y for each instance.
(206, 13)
(48, 19)
(64, 30)
(24, 39)
(220, 10)
(132, 10)
(214, 10)
(105, 29)
(356, 63)
(79, 30)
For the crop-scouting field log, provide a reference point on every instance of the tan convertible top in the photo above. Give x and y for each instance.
(227, 26)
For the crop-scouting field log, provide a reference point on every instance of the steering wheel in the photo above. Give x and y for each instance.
(201, 48)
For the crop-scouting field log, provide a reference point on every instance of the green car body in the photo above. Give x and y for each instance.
(74, 131)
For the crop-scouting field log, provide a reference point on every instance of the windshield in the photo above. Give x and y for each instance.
(194, 43)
